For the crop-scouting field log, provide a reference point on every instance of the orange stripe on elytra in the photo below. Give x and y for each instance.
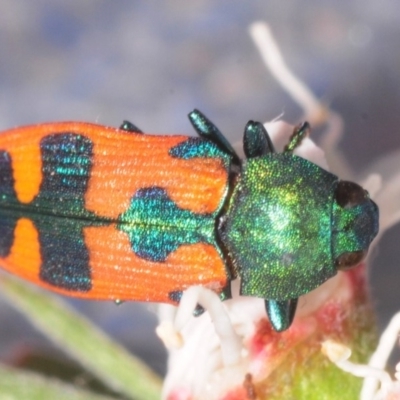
(24, 259)
(124, 165)
(117, 273)
(123, 162)
(27, 166)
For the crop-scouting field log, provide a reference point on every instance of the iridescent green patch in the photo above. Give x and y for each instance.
(199, 148)
(157, 226)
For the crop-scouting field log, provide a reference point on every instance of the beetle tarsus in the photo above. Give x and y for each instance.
(129, 127)
(206, 129)
(256, 141)
(281, 313)
(226, 293)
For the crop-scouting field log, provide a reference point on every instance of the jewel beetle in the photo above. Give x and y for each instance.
(102, 213)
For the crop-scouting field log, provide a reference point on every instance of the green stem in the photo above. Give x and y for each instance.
(79, 338)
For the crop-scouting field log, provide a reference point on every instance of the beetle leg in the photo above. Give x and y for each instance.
(231, 343)
(206, 129)
(129, 127)
(256, 141)
(226, 292)
(300, 132)
(177, 295)
(281, 313)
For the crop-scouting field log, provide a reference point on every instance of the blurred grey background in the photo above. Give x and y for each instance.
(153, 61)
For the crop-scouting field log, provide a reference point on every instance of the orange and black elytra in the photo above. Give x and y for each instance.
(115, 214)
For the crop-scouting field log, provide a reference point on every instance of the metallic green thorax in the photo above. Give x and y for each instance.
(289, 225)
(278, 226)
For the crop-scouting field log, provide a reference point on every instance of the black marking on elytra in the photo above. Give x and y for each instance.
(129, 127)
(194, 147)
(8, 220)
(58, 211)
(152, 192)
(65, 257)
(66, 165)
(149, 240)
(157, 226)
(7, 191)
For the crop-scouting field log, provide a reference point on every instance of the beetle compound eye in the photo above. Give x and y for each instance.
(349, 194)
(350, 259)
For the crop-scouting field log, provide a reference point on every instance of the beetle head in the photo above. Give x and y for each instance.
(354, 224)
